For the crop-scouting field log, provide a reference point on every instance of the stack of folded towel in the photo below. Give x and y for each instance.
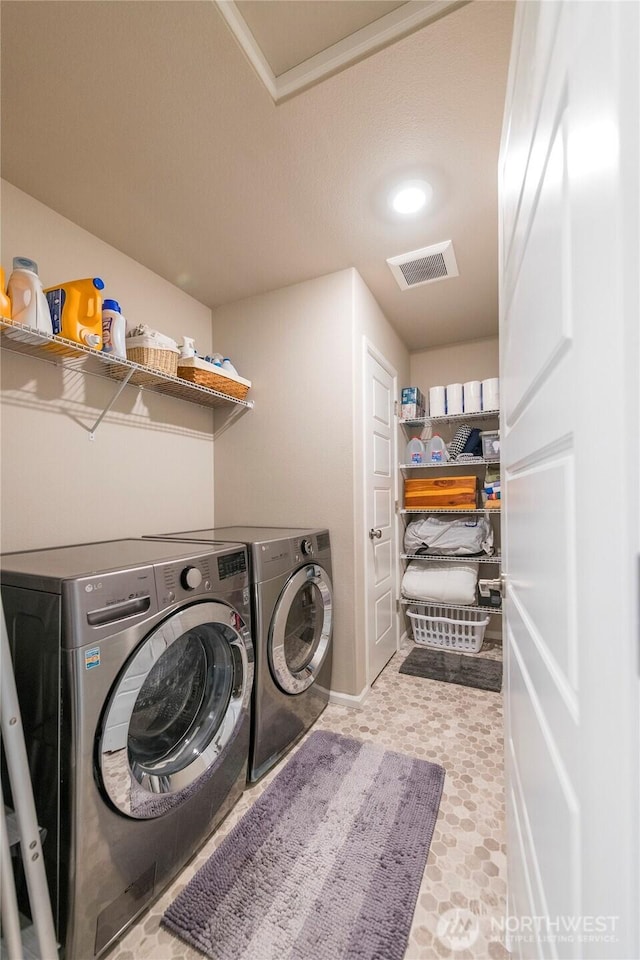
(491, 489)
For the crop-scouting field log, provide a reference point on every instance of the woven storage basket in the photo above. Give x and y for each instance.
(165, 361)
(435, 626)
(214, 381)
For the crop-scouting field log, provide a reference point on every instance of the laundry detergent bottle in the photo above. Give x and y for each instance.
(5, 300)
(76, 311)
(114, 328)
(228, 366)
(28, 302)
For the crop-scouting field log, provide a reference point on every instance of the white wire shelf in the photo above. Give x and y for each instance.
(445, 464)
(74, 356)
(455, 417)
(461, 511)
(496, 558)
(408, 601)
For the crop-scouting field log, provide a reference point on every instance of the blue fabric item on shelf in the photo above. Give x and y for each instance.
(473, 444)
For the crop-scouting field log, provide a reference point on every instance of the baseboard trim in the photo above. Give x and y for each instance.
(348, 699)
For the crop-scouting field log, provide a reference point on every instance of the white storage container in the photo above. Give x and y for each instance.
(490, 444)
(435, 626)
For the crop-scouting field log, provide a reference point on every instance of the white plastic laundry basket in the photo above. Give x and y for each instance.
(435, 627)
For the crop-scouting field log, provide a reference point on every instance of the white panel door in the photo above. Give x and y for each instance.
(380, 483)
(569, 445)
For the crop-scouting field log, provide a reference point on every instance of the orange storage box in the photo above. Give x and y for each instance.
(442, 493)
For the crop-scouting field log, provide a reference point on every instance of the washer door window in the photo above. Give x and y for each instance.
(175, 708)
(300, 631)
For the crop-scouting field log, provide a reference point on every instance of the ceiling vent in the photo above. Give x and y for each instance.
(424, 266)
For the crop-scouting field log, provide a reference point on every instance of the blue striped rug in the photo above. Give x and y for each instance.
(326, 865)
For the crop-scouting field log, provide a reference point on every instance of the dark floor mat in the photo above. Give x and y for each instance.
(477, 672)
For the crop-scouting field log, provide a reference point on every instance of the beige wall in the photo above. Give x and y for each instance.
(150, 467)
(289, 461)
(300, 447)
(457, 363)
(372, 326)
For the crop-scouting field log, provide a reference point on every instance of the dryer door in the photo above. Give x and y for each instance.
(300, 631)
(174, 709)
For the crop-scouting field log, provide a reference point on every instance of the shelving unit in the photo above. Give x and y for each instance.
(454, 418)
(496, 558)
(473, 462)
(408, 601)
(459, 513)
(475, 465)
(74, 356)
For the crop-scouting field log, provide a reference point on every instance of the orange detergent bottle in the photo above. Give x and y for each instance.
(5, 300)
(76, 311)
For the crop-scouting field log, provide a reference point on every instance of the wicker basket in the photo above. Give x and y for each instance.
(215, 381)
(433, 626)
(164, 361)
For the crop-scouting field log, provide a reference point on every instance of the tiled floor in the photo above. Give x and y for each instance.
(458, 727)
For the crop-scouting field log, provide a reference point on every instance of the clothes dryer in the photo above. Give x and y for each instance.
(134, 667)
(292, 627)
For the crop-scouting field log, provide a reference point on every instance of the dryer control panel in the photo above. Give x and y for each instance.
(273, 558)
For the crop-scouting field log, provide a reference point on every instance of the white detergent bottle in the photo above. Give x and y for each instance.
(28, 302)
(437, 450)
(227, 365)
(415, 451)
(113, 329)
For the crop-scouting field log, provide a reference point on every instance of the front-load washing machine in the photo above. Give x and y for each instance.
(292, 627)
(134, 667)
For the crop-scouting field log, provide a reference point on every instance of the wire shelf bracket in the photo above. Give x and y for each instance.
(123, 384)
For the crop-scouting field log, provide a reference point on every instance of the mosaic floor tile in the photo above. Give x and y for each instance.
(462, 897)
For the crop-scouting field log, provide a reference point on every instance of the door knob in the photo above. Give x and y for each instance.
(375, 534)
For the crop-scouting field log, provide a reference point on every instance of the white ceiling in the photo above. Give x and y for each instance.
(145, 123)
(297, 44)
(290, 33)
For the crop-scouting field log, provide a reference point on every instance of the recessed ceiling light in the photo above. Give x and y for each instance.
(410, 197)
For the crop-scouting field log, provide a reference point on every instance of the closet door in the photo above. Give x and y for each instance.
(569, 391)
(380, 460)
